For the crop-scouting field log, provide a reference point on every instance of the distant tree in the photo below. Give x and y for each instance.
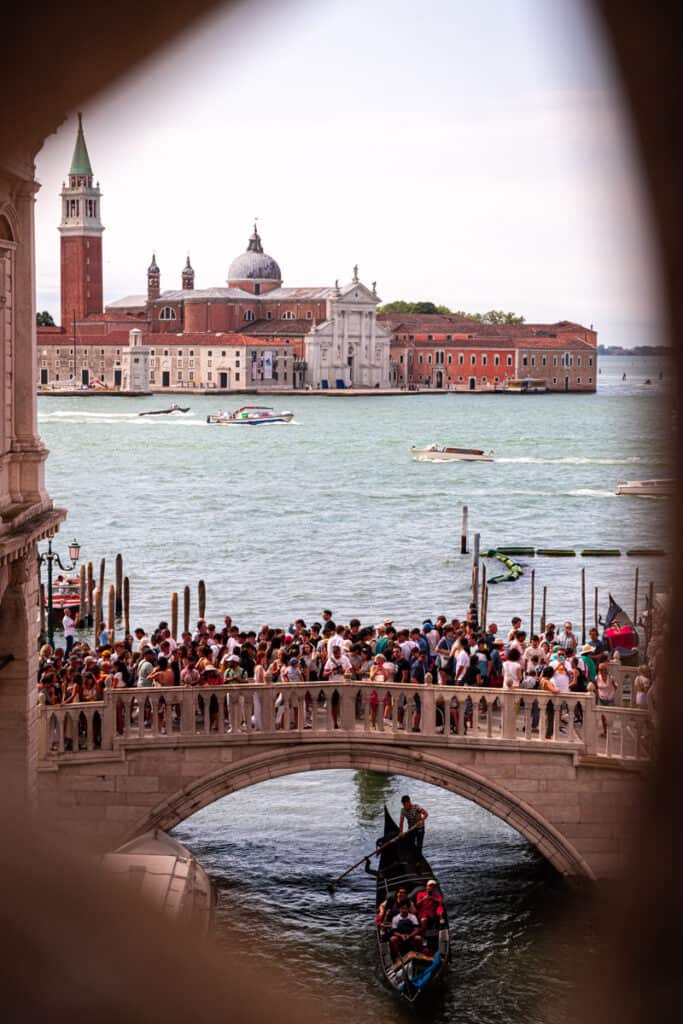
(494, 316)
(498, 316)
(44, 319)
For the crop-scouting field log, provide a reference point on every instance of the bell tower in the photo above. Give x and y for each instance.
(81, 238)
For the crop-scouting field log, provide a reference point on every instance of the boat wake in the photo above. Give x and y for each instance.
(571, 460)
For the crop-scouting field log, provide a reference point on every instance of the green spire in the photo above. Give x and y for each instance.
(80, 161)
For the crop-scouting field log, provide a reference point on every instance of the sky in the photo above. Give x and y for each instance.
(475, 155)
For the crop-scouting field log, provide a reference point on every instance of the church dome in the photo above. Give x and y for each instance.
(254, 264)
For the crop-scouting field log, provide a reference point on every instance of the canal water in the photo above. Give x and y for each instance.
(332, 512)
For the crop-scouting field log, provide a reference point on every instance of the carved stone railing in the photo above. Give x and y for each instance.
(526, 719)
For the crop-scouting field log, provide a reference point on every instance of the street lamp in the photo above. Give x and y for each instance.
(51, 556)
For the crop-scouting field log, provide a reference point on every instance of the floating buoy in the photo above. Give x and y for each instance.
(517, 551)
(645, 552)
(556, 552)
(515, 568)
(600, 552)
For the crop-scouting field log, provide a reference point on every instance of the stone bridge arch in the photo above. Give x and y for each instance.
(425, 766)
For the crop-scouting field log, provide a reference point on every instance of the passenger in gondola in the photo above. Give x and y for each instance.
(391, 906)
(430, 908)
(405, 932)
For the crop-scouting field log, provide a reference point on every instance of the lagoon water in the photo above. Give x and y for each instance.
(332, 512)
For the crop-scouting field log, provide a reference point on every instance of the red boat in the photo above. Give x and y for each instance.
(65, 594)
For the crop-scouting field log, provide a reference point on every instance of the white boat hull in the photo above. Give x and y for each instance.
(647, 488)
(434, 454)
(254, 421)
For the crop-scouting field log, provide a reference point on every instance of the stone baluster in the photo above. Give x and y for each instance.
(268, 694)
(348, 708)
(108, 716)
(508, 699)
(428, 720)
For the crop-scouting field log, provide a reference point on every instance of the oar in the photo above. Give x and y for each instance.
(378, 849)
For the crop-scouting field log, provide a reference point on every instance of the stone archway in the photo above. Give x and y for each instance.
(463, 781)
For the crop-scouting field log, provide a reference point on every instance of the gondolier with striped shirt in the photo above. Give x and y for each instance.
(413, 816)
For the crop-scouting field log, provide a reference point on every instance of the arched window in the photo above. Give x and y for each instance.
(167, 313)
(249, 316)
(288, 315)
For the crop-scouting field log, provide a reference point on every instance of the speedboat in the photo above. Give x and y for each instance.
(66, 594)
(647, 488)
(523, 386)
(250, 416)
(441, 453)
(167, 875)
(174, 409)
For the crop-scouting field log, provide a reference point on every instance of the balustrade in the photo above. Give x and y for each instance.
(434, 714)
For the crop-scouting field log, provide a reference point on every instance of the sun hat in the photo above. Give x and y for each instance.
(431, 881)
(388, 622)
(587, 649)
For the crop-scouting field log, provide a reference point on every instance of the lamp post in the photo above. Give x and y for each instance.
(51, 556)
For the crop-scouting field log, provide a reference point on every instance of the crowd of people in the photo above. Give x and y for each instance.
(440, 651)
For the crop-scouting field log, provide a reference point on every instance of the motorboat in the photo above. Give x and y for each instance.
(66, 593)
(647, 488)
(442, 453)
(167, 875)
(523, 386)
(250, 416)
(173, 410)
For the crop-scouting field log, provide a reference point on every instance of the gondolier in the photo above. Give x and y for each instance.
(412, 815)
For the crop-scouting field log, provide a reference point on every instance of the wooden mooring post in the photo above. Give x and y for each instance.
(97, 611)
(186, 610)
(126, 605)
(545, 591)
(482, 613)
(583, 606)
(90, 584)
(463, 531)
(485, 606)
(174, 615)
(201, 599)
(119, 584)
(100, 584)
(475, 572)
(82, 598)
(111, 609)
(533, 597)
(635, 599)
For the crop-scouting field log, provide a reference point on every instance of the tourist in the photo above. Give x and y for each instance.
(566, 639)
(69, 628)
(512, 669)
(430, 907)
(405, 932)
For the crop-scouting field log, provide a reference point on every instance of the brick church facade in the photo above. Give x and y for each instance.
(254, 332)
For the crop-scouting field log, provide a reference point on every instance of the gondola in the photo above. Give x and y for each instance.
(621, 634)
(413, 974)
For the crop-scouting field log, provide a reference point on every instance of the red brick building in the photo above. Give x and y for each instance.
(436, 351)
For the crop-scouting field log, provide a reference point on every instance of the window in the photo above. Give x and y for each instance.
(288, 315)
(136, 359)
(554, 380)
(152, 352)
(191, 362)
(543, 361)
(450, 358)
(483, 380)
(484, 362)
(209, 375)
(524, 360)
(191, 353)
(223, 353)
(461, 360)
(249, 316)
(473, 360)
(590, 380)
(209, 354)
(496, 360)
(430, 337)
(496, 380)
(400, 359)
(191, 374)
(554, 360)
(165, 351)
(179, 353)
(237, 376)
(151, 377)
(257, 289)
(269, 315)
(429, 358)
(460, 378)
(590, 361)
(533, 360)
(420, 359)
(180, 374)
(578, 361)
(578, 380)
(309, 315)
(167, 313)
(508, 361)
